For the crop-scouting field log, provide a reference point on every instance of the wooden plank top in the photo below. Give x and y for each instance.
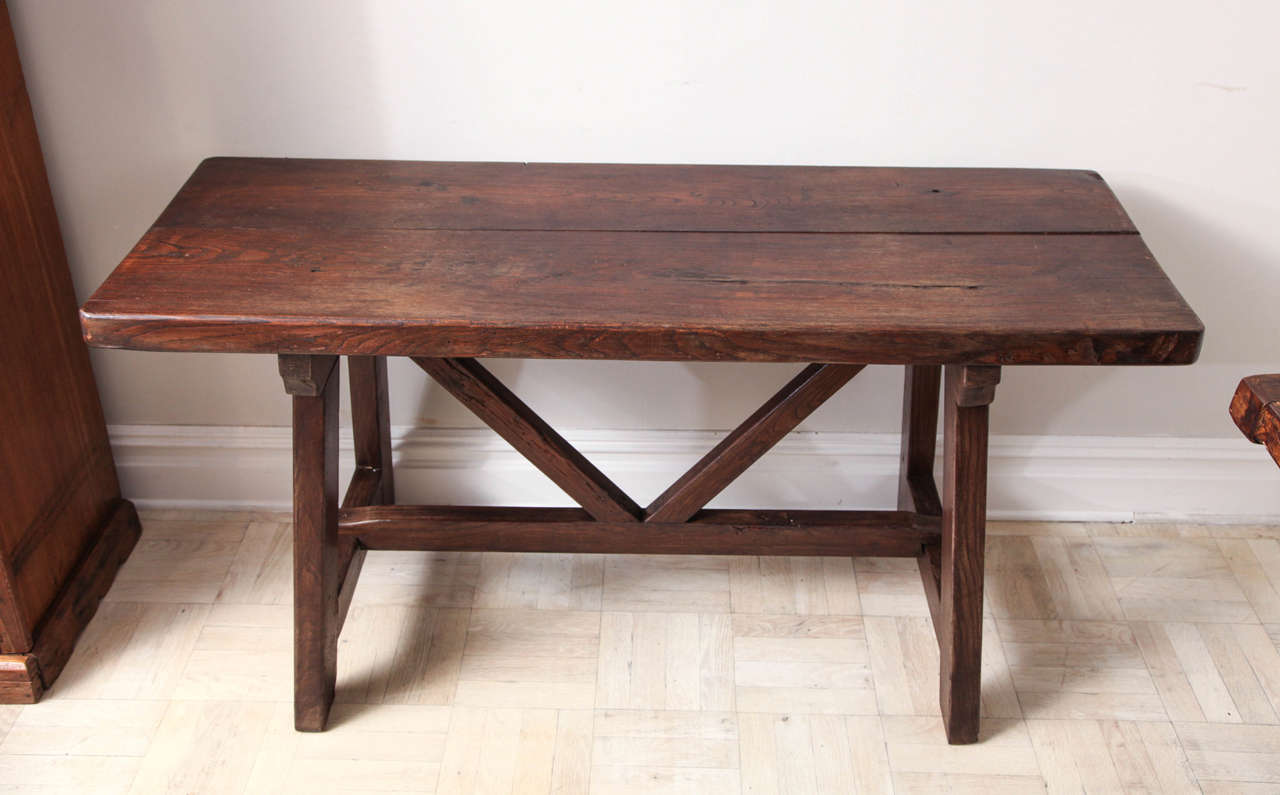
(751, 263)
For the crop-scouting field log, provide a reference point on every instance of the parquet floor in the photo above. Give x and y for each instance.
(1119, 658)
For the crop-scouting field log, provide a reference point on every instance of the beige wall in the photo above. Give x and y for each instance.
(1176, 103)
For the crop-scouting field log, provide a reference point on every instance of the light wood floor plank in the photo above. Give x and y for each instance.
(1077, 580)
(66, 727)
(904, 663)
(204, 746)
(401, 655)
(1116, 658)
(392, 748)
(793, 585)
(1148, 757)
(68, 775)
(133, 651)
(8, 715)
(512, 658)
(418, 579)
(999, 695)
(1257, 579)
(499, 750)
(179, 562)
(681, 661)
(1202, 673)
(1166, 669)
(262, 570)
(548, 582)
(1174, 580)
(813, 664)
(243, 652)
(916, 745)
(667, 583)
(889, 587)
(1016, 585)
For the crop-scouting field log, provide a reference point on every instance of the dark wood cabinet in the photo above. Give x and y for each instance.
(64, 530)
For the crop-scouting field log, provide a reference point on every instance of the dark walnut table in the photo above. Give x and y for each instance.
(951, 272)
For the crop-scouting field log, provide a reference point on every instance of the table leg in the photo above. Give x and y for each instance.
(371, 421)
(969, 392)
(313, 383)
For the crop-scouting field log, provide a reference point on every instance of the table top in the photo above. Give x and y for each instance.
(682, 263)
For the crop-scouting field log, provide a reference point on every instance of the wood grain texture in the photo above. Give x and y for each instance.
(325, 264)
(84, 589)
(371, 421)
(316, 576)
(490, 400)
(756, 435)
(709, 532)
(1255, 407)
(974, 386)
(365, 488)
(930, 565)
(257, 192)
(960, 578)
(20, 681)
(15, 630)
(60, 482)
(305, 375)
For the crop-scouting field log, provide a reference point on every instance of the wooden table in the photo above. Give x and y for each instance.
(955, 271)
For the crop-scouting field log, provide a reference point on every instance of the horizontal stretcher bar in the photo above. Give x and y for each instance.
(709, 532)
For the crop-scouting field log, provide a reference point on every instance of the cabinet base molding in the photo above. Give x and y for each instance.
(20, 681)
(25, 677)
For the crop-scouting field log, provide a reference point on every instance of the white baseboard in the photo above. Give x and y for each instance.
(1062, 478)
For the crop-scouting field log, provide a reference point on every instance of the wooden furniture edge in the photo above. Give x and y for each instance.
(315, 336)
(55, 637)
(1255, 408)
(20, 681)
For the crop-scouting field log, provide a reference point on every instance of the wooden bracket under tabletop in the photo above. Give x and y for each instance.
(305, 376)
(972, 385)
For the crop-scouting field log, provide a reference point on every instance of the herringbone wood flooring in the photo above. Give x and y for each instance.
(1118, 658)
